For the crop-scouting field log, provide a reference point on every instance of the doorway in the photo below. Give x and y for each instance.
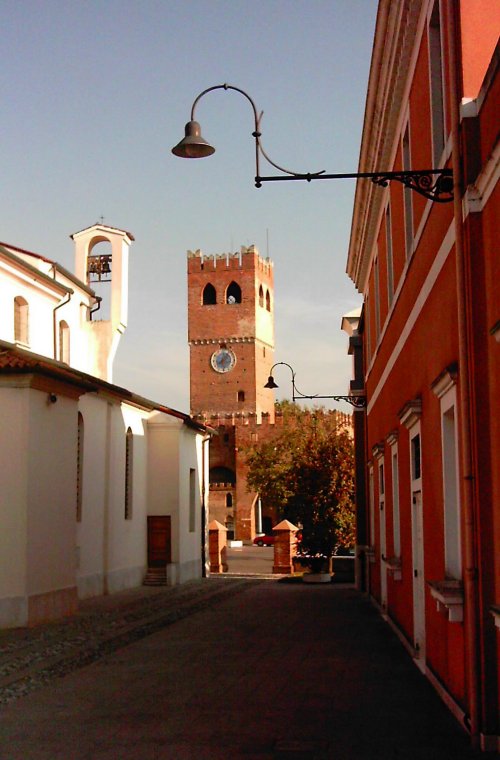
(159, 541)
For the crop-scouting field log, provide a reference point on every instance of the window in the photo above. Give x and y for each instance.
(408, 197)
(129, 466)
(79, 468)
(233, 294)
(64, 342)
(209, 295)
(395, 503)
(21, 320)
(261, 296)
(192, 500)
(376, 275)
(453, 559)
(390, 261)
(229, 500)
(268, 301)
(367, 333)
(436, 85)
(371, 506)
(241, 396)
(415, 457)
(381, 479)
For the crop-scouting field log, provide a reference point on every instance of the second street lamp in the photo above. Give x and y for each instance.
(358, 402)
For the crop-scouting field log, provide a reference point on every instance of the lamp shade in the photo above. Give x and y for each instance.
(270, 383)
(193, 145)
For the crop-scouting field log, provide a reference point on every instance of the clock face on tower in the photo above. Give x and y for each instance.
(223, 360)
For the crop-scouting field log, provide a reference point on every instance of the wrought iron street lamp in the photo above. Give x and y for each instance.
(434, 184)
(359, 402)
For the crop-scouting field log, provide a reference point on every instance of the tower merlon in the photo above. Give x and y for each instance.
(248, 258)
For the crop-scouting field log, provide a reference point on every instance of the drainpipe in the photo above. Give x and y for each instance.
(98, 302)
(463, 312)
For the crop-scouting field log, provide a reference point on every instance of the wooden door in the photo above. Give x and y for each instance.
(159, 541)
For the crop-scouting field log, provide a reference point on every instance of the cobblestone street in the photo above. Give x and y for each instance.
(32, 657)
(221, 668)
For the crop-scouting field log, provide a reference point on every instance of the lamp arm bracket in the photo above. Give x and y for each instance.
(358, 402)
(434, 184)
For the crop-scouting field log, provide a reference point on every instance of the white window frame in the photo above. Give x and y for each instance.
(396, 520)
(21, 321)
(371, 505)
(389, 253)
(436, 83)
(64, 342)
(407, 192)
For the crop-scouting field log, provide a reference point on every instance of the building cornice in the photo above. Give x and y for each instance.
(393, 49)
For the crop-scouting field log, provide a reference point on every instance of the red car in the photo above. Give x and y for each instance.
(264, 540)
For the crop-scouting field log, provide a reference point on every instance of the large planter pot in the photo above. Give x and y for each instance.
(317, 578)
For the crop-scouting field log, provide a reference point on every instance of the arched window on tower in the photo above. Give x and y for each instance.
(268, 300)
(63, 342)
(21, 320)
(209, 295)
(233, 293)
(261, 296)
(229, 500)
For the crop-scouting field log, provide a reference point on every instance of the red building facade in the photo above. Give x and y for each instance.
(429, 527)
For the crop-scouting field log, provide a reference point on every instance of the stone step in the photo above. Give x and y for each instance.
(155, 576)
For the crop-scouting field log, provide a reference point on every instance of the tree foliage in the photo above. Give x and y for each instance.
(307, 473)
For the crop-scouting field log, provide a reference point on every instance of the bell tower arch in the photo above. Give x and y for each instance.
(111, 269)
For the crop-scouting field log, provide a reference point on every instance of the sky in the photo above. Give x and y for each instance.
(95, 94)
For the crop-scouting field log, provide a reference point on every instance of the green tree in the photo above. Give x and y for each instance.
(307, 473)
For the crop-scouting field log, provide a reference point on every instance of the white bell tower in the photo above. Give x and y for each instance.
(92, 268)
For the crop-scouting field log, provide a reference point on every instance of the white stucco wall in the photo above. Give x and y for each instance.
(52, 449)
(13, 504)
(111, 549)
(174, 449)
(37, 502)
(127, 537)
(163, 472)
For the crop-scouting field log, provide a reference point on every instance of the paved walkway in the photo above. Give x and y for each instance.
(224, 668)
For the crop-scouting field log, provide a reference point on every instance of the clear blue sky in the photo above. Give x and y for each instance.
(94, 95)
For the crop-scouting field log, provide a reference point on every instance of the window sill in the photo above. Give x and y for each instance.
(370, 553)
(394, 567)
(495, 611)
(449, 595)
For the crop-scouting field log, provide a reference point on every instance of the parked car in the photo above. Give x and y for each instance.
(264, 540)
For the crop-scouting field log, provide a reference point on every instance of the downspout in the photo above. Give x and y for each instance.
(93, 311)
(468, 494)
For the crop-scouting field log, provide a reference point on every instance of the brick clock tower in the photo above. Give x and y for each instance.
(231, 340)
